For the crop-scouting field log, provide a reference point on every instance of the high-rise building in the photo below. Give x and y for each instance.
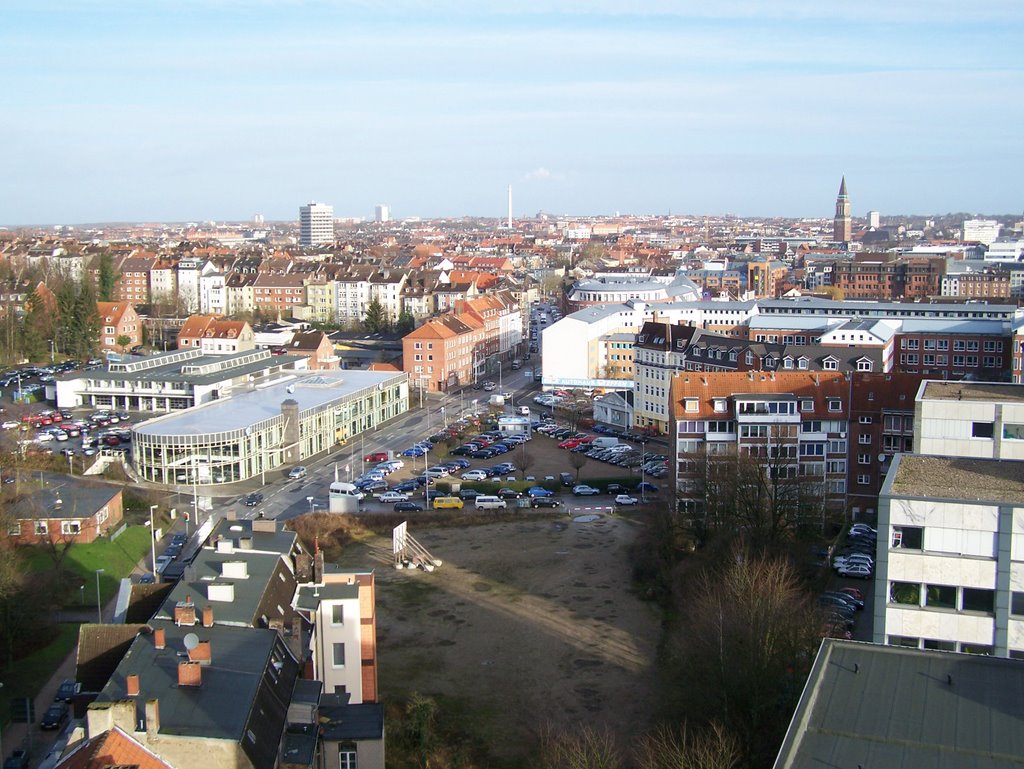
(874, 220)
(316, 224)
(981, 230)
(842, 227)
(382, 213)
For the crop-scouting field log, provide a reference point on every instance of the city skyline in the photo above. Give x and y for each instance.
(220, 110)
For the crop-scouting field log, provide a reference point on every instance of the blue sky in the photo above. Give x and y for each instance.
(218, 109)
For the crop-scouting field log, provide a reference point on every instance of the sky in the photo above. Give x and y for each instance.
(189, 110)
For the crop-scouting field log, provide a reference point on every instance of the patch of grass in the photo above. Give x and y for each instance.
(117, 559)
(26, 676)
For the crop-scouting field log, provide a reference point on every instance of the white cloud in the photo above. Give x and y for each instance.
(543, 175)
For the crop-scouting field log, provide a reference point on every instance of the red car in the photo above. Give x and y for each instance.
(376, 456)
(852, 592)
(569, 444)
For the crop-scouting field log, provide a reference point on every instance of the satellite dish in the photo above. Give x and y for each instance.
(882, 457)
(191, 641)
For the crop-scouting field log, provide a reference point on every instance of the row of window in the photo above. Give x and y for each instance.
(943, 596)
(959, 345)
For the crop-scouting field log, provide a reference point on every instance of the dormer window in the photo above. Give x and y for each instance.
(691, 405)
(830, 364)
(787, 362)
(802, 363)
(720, 405)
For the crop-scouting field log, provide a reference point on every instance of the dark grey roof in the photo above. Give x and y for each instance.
(350, 722)
(888, 706)
(38, 492)
(241, 664)
(260, 550)
(310, 596)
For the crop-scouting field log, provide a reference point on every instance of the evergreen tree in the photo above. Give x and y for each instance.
(37, 327)
(67, 295)
(406, 322)
(376, 320)
(85, 330)
(107, 279)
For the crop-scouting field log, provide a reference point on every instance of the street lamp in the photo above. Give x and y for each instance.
(99, 608)
(311, 504)
(152, 537)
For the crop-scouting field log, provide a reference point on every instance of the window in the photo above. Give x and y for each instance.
(863, 459)
(836, 466)
(908, 537)
(837, 447)
(339, 655)
(864, 480)
(41, 528)
(14, 530)
(70, 527)
(1017, 604)
(692, 405)
(347, 757)
(812, 449)
(942, 646)
(865, 420)
(981, 429)
(806, 404)
(902, 640)
(940, 596)
(830, 364)
(863, 364)
(338, 614)
(834, 404)
(864, 439)
(908, 593)
(976, 649)
(976, 599)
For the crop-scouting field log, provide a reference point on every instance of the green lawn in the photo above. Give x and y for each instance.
(27, 676)
(117, 559)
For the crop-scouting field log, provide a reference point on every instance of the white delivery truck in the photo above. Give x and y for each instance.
(604, 442)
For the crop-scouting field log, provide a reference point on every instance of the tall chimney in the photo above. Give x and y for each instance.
(318, 567)
(131, 683)
(159, 638)
(152, 717)
(207, 616)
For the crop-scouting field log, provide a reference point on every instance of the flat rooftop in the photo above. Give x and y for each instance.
(990, 480)
(887, 706)
(973, 391)
(310, 389)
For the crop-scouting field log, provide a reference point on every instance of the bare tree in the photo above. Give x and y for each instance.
(587, 748)
(747, 635)
(713, 748)
(525, 460)
(578, 461)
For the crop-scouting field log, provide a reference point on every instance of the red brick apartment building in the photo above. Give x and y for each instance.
(47, 508)
(888, 277)
(133, 283)
(983, 351)
(279, 293)
(831, 428)
(118, 319)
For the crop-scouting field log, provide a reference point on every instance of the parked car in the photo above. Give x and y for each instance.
(376, 456)
(392, 496)
(860, 571)
(67, 690)
(646, 488)
(17, 760)
(469, 494)
(474, 475)
(583, 490)
(544, 502)
(55, 716)
(539, 491)
(566, 479)
(625, 499)
(857, 604)
(407, 507)
(506, 493)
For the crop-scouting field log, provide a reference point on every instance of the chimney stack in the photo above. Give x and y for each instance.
(152, 717)
(131, 683)
(207, 616)
(190, 674)
(201, 653)
(185, 612)
(318, 567)
(159, 638)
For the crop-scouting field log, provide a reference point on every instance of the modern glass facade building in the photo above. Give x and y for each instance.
(266, 428)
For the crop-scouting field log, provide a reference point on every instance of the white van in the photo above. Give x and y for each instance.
(490, 503)
(339, 489)
(605, 442)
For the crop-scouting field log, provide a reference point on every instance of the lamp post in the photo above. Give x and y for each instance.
(152, 537)
(99, 607)
(426, 481)
(311, 504)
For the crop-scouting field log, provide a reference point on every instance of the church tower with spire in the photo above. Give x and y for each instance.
(842, 227)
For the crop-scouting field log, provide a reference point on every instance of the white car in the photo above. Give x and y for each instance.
(474, 475)
(583, 490)
(855, 570)
(297, 472)
(10, 425)
(849, 560)
(392, 496)
(625, 499)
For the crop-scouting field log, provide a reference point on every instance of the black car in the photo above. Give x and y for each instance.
(55, 716)
(616, 488)
(67, 690)
(468, 494)
(544, 502)
(407, 507)
(507, 493)
(406, 486)
(567, 479)
(483, 454)
(253, 499)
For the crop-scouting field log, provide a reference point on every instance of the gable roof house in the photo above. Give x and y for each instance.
(119, 321)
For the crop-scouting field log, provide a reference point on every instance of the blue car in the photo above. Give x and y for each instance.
(539, 491)
(647, 488)
(413, 451)
(406, 486)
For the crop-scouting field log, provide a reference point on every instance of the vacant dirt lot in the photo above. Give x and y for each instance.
(529, 623)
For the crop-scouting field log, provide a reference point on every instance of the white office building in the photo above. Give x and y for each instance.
(316, 224)
(382, 213)
(949, 572)
(981, 230)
